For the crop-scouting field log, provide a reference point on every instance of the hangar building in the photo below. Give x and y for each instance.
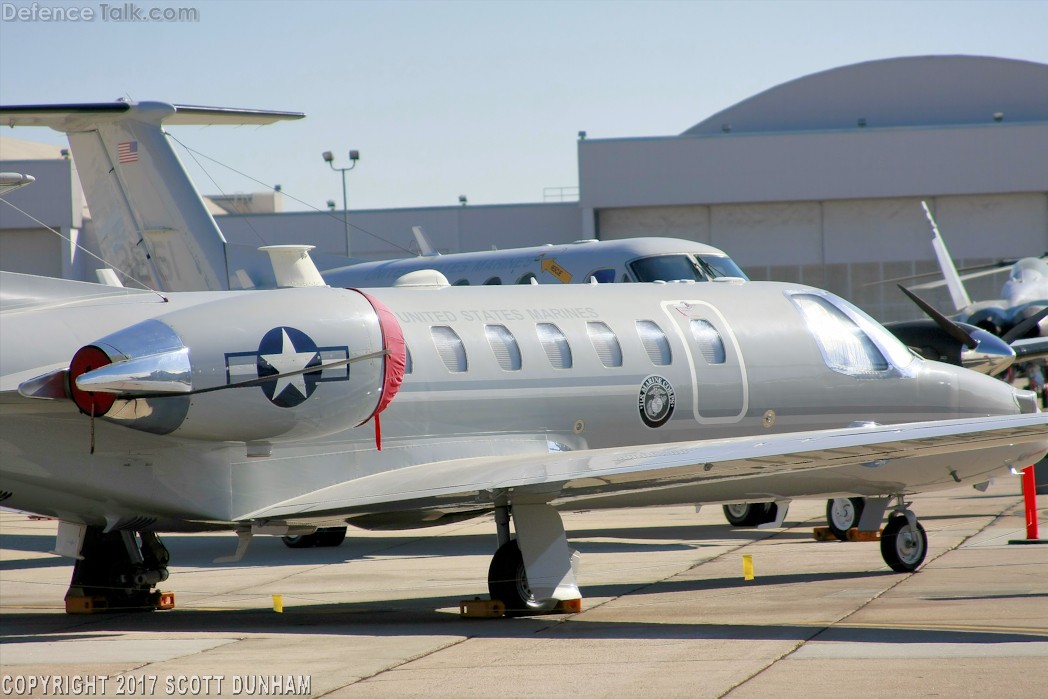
(818, 180)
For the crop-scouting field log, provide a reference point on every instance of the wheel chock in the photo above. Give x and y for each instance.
(482, 608)
(568, 606)
(166, 600)
(856, 535)
(823, 534)
(78, 604)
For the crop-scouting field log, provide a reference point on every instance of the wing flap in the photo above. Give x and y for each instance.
(563, 477)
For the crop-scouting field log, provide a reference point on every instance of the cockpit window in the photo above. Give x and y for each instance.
(686, 267)
(845, 347)
(722, 266)
(668, 268)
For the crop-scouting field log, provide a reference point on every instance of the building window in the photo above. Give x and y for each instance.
(655, 342)
(709, 341)
(555, 345)
(605, 343)
(449, 347)
(504, 345)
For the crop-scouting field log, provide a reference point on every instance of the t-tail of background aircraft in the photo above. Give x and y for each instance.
(154, 226)
(152, 223)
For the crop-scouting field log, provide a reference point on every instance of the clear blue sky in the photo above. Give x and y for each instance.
(481, 98)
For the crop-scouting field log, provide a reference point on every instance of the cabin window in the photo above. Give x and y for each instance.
(408, 366)
(605, 343)
(449, 347)
(526, 279)
(603, 276)
(709, 341)
(844, 345)
(461, 282)
(655, 342)
(504, 345)
(492, 281)
(555, 344)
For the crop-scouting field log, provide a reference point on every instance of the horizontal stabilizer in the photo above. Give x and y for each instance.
(78, 117)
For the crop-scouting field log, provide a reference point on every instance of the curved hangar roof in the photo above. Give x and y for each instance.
(909, 91)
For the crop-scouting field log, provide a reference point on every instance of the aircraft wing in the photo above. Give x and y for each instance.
(574, 476)
(1030, 348)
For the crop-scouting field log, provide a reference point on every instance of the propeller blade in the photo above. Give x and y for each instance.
(948, 326)
(1025, 326)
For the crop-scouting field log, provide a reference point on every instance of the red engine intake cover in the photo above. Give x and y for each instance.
(90, 403)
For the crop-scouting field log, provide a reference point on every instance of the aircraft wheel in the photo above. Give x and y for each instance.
(330, 536)
(843, 514)
(508, 583)
(743, 514)
(301, 541)
(901, 550)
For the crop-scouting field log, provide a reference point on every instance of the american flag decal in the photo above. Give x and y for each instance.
(127, 152)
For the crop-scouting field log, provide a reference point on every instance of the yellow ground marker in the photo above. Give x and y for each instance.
(747, 567)
(278, 604)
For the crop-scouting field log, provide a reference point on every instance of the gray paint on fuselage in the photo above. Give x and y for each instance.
(482, 413)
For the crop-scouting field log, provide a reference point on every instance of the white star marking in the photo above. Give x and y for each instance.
(289, 360)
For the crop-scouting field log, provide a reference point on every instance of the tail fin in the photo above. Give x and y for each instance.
(151, 221)
(958, 294)
(425, 245)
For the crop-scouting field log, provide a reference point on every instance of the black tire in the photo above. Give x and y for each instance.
(743, 514)
(843, 514)
(330, 536)
(903, 552)
(508, 583)
(301, 541)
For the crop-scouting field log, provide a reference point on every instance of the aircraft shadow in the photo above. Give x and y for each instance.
(424, 617)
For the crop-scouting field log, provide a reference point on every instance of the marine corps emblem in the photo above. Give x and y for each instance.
(656, 401)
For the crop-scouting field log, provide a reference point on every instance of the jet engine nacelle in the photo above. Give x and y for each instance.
(270, 366)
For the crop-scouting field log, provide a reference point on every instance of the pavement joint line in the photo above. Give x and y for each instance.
(838, 623)
(395, 666)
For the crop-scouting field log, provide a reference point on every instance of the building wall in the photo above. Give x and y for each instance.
(851, 246)
(384, 234)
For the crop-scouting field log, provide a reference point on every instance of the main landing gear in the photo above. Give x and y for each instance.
(322, 538)
(535, 572)
(750, 514)
(117, 571)
(843, 514)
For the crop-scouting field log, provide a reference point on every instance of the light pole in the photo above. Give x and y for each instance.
(354, 156)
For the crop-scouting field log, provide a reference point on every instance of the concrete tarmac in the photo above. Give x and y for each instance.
(666, 613)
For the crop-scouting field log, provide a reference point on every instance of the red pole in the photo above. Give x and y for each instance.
(1030, 496)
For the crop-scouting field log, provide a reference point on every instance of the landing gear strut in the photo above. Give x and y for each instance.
(117, 572)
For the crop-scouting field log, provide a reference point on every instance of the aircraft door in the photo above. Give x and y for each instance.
(718, 373)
